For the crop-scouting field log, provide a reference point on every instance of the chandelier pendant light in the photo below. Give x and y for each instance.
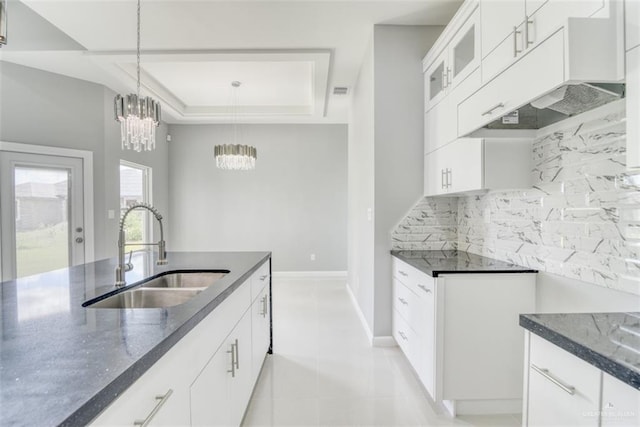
(235, 156)
(138, 116)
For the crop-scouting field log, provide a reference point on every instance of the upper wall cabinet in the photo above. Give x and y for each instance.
(632, 23)
(459, 58)
(511, 27)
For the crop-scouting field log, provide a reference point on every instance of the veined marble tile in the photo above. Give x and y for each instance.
(580, 220)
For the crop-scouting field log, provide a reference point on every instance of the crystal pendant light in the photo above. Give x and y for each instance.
(235, 156)
(138, 116)
(3, 22)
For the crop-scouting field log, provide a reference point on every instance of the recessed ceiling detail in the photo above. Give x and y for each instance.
(195, 85)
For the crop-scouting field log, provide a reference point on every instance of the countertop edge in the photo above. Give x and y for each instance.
(94, 406)
(594, 358)
(438, 272)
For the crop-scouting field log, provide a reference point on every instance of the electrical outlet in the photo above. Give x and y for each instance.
(313, 257)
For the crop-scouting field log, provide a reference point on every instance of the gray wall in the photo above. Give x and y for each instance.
(294, 203)
(386, 169)
(361, 190)
(42, 108)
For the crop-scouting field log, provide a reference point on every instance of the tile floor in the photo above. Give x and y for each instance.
(324, 372)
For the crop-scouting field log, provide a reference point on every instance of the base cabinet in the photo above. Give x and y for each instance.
(461, 335)
(564, 390)
(205, 379)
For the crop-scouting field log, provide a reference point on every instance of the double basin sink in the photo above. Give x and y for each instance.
(166, 290)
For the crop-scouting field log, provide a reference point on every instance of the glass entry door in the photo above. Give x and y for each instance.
(41, 213)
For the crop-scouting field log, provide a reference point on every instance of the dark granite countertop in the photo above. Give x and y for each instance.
(608, 341)
(62, 364)
(435, 263)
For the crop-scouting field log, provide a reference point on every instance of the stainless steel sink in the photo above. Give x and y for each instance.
(147, 298)
(199, 280)
(167, 290)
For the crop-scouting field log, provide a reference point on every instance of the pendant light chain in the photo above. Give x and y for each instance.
(138, 51)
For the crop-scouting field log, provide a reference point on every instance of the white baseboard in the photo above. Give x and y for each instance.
(383, 341)
(310, 275)
(483, 407)
(356, 307)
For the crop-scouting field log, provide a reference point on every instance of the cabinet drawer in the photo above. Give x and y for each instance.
(414, 279)
(405, 337)
(539, 71)
(563, 390)
(259, 279)
(402, 299)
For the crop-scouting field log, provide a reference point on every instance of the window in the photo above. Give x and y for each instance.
(135, 187)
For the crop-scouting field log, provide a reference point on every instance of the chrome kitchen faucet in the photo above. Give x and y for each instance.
(162, 253)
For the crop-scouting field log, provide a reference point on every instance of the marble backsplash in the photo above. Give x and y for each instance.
(580, 220)
(432, 224)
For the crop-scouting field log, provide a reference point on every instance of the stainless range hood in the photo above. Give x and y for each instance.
(559, 104)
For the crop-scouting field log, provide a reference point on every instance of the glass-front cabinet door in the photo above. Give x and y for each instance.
(465, 50)
(435, 81)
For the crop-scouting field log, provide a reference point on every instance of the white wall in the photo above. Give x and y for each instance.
(42, 108)
(294, 203)
(385, 160)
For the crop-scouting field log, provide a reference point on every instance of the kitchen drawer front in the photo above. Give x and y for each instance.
(405, 337)
(414, 279)
(563, 389)
(538, 72)
(259, 279)
(402, 299)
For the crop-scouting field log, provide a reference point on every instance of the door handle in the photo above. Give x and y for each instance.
(79, 240)
(162, 399)
(492, 109)
(515, 41)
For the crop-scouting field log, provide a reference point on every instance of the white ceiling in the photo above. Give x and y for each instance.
(288, 54)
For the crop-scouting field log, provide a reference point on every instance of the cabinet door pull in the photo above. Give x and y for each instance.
(492, 109)
(233, 359)
(402, 273)
(449, 178)
(404, 337)
(264, 306)
(424, 288)
(402, 300)
(237, 355)
(443, 179)
(448, 76)
(445, 83)
(161, 401)
(527, 31)
(545, 373)
(515, 41)
(263, 277)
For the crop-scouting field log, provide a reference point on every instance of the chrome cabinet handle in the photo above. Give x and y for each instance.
(515, 41)
(264, 306)
(444, 79)
(402, 300)
(237, 355)
(449, 177)
(448, 76)
(234, 346)
(545, 373)
(162, 400)
(443, 175)
(424, 288)
(402, 273)
(527, 32)
(263, 277)
(404, 337)
(492, 109)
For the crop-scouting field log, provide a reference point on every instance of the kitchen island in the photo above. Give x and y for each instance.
(63, 364)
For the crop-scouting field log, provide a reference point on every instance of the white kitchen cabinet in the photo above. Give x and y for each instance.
(219, 395)
(457, 60)
(260, 330)
(562, 389)
(511, 27)
(633, 108)
(207, 377)
(632, 24)
(620, 403)
(444, 325)
(473, 164)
